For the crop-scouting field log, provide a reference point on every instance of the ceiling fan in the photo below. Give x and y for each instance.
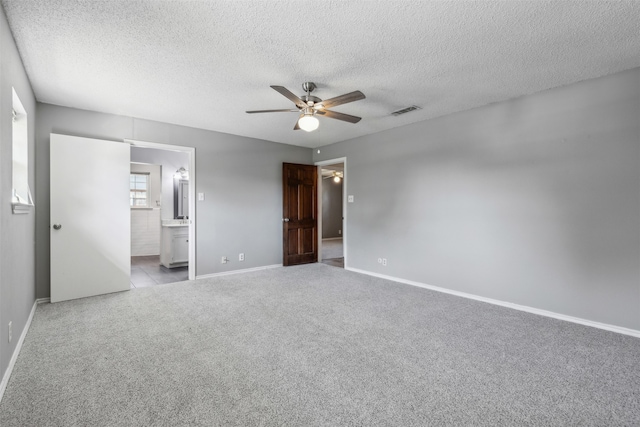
(309, 106)
(335, 175)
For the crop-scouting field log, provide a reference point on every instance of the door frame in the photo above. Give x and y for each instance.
(319, 165)
(191, 151)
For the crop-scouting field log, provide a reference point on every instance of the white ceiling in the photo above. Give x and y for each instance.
(203, 63)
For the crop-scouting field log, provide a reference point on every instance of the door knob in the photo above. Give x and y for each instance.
(285, 219)
(57, 226)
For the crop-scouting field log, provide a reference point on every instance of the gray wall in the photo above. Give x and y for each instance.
(17, 259)
(241, 178)
(534, 201)
(331, 208)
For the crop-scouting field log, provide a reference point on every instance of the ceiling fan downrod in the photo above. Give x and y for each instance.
(308, 87)
(309, 99)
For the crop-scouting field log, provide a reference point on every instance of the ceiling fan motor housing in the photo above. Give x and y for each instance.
(311, 98)
(308, 87)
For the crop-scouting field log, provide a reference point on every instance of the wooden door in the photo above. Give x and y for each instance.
(90, 217)
(299, 214)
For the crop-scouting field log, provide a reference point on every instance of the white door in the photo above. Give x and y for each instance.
(90, 217)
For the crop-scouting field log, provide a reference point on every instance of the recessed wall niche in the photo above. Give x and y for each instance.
(21, 199)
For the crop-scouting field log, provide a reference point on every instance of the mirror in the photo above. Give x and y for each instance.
(180, 198)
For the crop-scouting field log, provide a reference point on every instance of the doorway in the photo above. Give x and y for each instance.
(163, 234)
(332, 210)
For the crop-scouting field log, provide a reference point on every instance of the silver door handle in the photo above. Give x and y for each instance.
(57, 226)
(285, 219)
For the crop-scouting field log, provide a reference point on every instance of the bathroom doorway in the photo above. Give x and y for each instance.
(162, 220)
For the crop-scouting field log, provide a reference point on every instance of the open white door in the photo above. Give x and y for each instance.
(90, 217)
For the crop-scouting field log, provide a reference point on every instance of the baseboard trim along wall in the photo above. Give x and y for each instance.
(16, 352)
(605, 326)
(245, 270)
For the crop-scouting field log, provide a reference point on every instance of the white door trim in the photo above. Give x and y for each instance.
(192, 192)
(342, 160)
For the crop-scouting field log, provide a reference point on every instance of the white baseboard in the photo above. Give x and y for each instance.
(332, 238)
(43, 300)
(599, 325)
(16, 352)
(245, 270)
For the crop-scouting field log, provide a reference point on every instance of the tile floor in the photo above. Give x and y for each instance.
(334, 262)
(332, 252)
(147, 271)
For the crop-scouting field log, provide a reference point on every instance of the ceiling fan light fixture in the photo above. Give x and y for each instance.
(308, 123)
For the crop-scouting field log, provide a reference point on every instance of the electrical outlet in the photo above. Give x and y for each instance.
(384, 262)
(241, 257)
(10, 331)
(339, 231)
(224, 260)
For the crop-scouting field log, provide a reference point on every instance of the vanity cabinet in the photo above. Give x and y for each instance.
(174, 251)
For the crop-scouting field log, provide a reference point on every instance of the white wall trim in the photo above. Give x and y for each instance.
(332, 238)
(43, 300)
(244, 270)
(16, 352)
(599, 325)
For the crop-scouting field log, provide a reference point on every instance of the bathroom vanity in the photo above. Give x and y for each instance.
(174, 245)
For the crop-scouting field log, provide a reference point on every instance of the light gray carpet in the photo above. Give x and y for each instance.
(314, 345)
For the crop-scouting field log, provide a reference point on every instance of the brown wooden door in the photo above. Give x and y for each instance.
(299, 214)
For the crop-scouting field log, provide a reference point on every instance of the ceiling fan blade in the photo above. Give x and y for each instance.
(273, 111)
(290, 95)
(339, 116)
(342, 99)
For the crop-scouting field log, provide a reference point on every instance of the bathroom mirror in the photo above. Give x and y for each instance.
(180, 198)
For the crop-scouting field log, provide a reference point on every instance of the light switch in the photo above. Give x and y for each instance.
(350, 199)
(200, 197)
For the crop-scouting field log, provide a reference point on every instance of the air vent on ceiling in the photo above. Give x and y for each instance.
(406, 110)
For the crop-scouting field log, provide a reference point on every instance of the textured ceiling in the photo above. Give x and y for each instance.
(203, 63)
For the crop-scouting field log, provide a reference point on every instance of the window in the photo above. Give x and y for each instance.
(21, 195)
(139, 190)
